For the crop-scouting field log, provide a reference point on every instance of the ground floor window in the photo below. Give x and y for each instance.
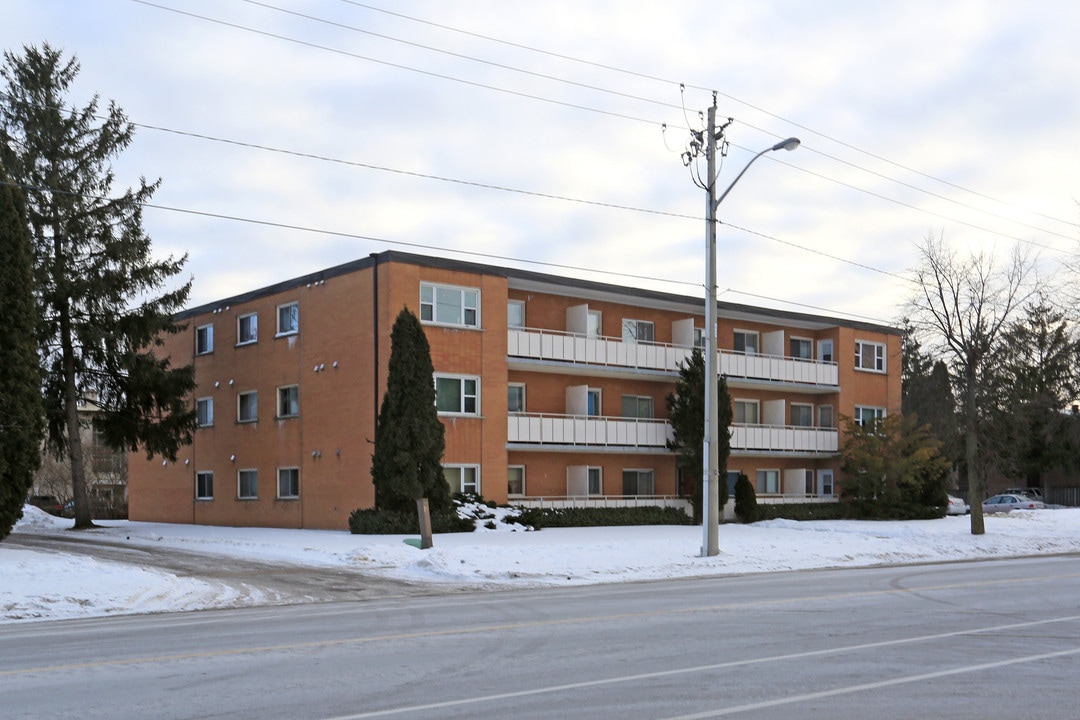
(247, 484)
(463, 478)
(637, 482)
(768, 482)
(732, 478)
(515, 480)
(288, 482)
(204, 485)
(826, 488)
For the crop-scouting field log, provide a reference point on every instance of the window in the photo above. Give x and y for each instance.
(288, 401)
(204, 485)
(515, 480)
(637, 406)
(446, 305)
(768, 481)
(808, 482)
(594, 408)
(825, 351)
(637, 331)
(247, 329)
(247, 484)
(204, 411)
(802, 415)
(801, 348)
(869, 356)
(463, 478)
(637, 482)
(515, 314)
(594, 329)
(288, 319)
(700, 341)
(515, 397)
(746, 412)
(825, 416)
(595, 477)
(867, 415)
(746, 342)
(288, 483)
(247, 406)
(825, 483)
(204, 339)
(732, 478)
(457, 395)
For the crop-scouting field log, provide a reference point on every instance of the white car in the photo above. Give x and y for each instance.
(956, 506)
(1005, 503)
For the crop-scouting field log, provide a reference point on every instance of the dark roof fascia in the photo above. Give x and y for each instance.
(529, 276)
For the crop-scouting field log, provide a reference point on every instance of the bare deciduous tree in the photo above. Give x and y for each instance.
(961, 309)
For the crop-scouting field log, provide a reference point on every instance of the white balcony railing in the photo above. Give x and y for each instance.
(784, 438)
(547, 429)
(587, 431)
(558, 346)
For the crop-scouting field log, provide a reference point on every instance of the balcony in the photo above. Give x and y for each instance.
(549, 431)
(784, 439)
(569, 352)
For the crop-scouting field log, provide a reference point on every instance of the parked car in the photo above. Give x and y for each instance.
(48, 503)
(1007, 502)
(956, 506)
(1032, 493)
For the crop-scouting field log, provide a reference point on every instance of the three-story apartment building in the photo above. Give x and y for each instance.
(551, 390)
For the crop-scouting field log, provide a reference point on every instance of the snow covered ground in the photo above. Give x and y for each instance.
(37, 585)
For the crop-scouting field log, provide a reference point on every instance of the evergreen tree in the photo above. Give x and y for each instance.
(686, 413)
(746, 508)
(96, 282)
(410, 438)
(21, 419)
(927, 395)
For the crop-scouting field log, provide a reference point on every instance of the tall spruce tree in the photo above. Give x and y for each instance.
(98, 287)
(21, 419)
(686, 413)
(410, 438)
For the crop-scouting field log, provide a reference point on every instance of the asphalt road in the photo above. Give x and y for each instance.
(968, 640)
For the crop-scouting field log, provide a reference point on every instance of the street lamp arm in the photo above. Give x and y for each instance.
(789, 144)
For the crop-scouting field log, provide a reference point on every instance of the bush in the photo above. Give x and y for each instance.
(746, 505)
(602, 517)
(369, 521)
(847, 511)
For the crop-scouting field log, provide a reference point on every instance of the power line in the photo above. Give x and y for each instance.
(655, 78)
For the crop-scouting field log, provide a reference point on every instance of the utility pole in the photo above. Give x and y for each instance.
(710, 491)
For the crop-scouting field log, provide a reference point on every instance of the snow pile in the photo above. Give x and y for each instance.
(38, 585)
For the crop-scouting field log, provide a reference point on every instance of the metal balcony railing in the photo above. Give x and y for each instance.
(549, 429)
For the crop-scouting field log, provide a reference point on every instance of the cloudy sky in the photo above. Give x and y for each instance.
(294, 135)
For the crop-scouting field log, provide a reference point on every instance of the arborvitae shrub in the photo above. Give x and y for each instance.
(746, 506)
(369, 521)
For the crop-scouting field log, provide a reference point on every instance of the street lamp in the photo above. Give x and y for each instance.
(710, 543)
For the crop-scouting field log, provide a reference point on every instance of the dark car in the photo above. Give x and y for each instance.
(48, 503)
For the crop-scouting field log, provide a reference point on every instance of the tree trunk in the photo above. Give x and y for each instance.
(74, 431)
(971, 452)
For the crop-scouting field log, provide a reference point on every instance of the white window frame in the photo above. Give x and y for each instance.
(254, 475)
(736, 333)
(204, 490)
(638, 400)
(240, 406)
(767, 474)
(642, 473)
(295, 319)
(468, 315)
(461, 470)
(826, 488)
(463, 396)
(825, 350)
(594, 324)
(204, 339)
(281, 399)
(204, 418)
(806, 342)
(746, 403)
(295, 473)
(599, 475)
(515, 386)
(831, 421)
(861, 411)
(509, 488)
(700, 338)
(802, 405)
(252, 336)
(520, 311)
(638, 331)
(878, 356)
